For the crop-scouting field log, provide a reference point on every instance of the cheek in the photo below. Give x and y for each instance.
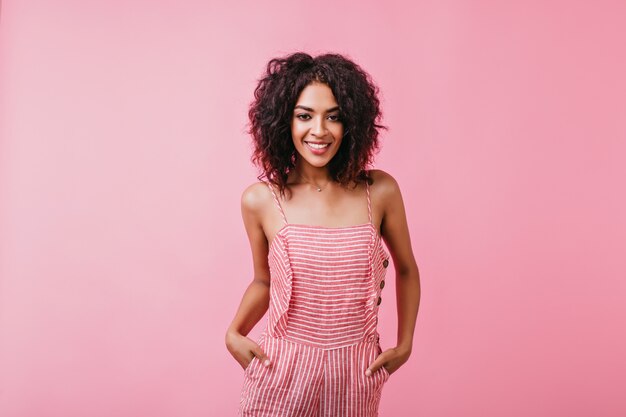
(338, 131)
(297, 131)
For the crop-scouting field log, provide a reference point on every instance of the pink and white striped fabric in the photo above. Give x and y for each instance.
(321, 334)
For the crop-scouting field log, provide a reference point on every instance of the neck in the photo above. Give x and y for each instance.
(317, 175)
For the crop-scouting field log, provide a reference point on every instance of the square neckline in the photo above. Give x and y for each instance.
(286, 224)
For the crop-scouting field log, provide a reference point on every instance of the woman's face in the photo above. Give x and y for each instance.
(316, 128)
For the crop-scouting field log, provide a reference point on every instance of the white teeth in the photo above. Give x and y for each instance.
(317, 146)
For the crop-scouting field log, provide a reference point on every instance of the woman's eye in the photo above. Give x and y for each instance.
(304, 116)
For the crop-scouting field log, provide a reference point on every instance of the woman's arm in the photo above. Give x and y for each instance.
(255, 300)
(395, 233)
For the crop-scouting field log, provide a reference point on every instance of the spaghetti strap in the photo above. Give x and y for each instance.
(369, 202)
(280, 208)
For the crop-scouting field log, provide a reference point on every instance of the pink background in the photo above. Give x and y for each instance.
(123, 156)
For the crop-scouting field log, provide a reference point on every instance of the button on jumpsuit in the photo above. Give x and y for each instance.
(321, 333)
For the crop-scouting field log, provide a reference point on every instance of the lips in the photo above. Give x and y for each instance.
(317, 145)
(317, 148)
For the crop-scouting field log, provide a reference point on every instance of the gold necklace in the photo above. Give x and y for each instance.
(316, 186)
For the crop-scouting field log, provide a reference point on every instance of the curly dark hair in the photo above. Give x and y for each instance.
(275, 97)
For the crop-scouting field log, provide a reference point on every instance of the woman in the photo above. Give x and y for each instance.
(316, 225)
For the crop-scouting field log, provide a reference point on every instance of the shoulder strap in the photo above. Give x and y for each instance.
(280, 208)
(369, 202)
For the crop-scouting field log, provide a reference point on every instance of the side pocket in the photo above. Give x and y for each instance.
(384, 370)
(250, 365)
(254, 363)
(385, 373)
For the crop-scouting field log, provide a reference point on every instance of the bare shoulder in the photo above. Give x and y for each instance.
(255, 198)
(394, 225)
(384, 184)
(254, 203)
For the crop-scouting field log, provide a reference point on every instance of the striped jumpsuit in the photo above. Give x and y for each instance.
(321, 333)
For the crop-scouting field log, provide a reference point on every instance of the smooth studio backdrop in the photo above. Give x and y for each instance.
(123, 156)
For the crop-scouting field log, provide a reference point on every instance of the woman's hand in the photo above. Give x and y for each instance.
(244, 349)
(391, 359)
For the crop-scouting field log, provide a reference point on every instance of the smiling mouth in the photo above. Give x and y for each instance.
(317, 145)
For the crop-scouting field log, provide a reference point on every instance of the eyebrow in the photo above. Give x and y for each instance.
(311, 110)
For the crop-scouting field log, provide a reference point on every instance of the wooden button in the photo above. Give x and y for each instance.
(379, 301)
(382, 284)
(386, 263)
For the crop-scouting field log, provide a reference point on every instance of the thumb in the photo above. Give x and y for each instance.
(258, 352)
(374, 366)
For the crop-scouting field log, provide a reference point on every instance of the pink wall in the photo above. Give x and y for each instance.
(123, 157)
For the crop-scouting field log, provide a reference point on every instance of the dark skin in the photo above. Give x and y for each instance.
(316, 120)
(334, 207)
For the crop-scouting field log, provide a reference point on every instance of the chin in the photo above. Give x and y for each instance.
(318, 162)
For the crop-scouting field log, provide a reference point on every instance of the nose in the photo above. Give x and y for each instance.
(319, 127)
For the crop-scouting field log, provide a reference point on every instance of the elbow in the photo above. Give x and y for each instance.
(407, 272)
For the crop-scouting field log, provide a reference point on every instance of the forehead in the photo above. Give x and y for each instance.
(318, 96)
